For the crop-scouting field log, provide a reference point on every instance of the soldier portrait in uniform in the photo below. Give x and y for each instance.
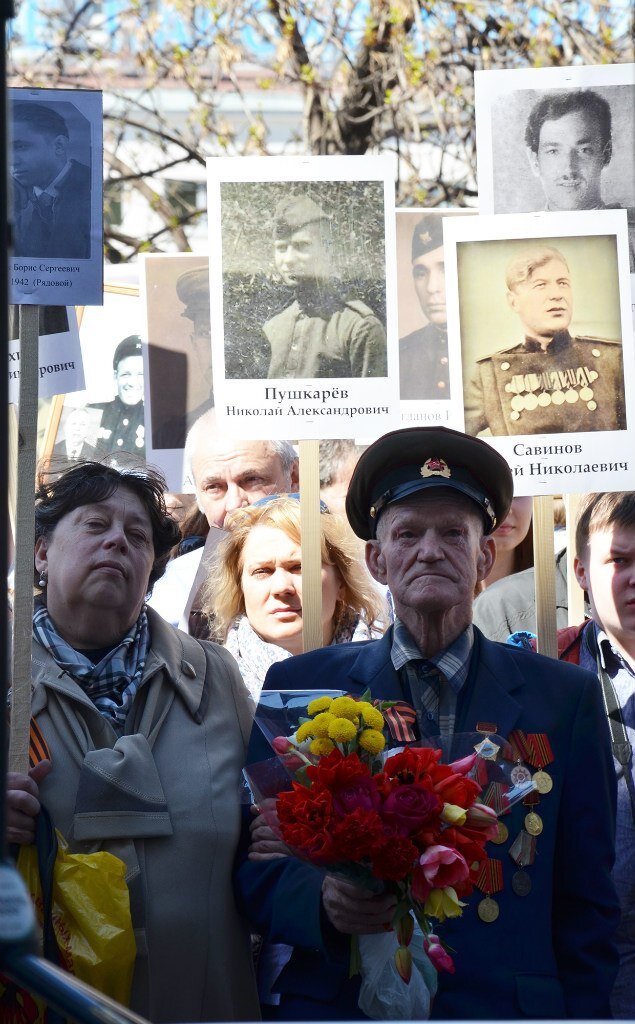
(424, 371)
(550, 379)
(121, 427)
(51, 188)
(304, 280)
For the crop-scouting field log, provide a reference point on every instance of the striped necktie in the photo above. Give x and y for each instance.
(430, 682)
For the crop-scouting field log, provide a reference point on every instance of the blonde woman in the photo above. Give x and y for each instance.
(254, 595)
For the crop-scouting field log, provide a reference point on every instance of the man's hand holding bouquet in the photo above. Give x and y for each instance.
(401, 835)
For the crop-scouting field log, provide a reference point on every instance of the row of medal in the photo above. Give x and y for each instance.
(532, 749)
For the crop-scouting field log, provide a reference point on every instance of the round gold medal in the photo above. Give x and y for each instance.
(488, 910)
(544, 782)
(502, 834)
(533, 823)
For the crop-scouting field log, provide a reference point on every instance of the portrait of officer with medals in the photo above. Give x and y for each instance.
(423, 353)
(121, 428)
(549, 381)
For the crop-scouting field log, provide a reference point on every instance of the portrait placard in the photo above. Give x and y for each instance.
(175, 298)
(57, 197)
(539, 309)
(302, 284)
(557, 139)
(424, 364)
(61, 369)
(107, 417)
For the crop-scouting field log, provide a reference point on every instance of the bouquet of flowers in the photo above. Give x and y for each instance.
(405, 822)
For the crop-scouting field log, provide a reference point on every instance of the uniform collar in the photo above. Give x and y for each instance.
(560, 341)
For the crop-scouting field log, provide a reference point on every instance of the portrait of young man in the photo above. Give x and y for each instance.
(557, 140)
(51, 189)
(321, 333)
(424, 371)
(304, 290)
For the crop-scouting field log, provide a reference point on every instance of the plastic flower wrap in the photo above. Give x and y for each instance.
(400, 820)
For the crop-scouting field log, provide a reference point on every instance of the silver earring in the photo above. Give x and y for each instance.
(43, 580)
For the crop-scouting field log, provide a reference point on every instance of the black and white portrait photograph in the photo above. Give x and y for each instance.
(304, 279)
(543, 324)
(56, 191)
(106, 418)
(424, 365)
(301, 277)
(557, 139)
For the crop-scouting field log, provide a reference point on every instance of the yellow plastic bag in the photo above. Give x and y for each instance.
(83, 909)
(91, 916)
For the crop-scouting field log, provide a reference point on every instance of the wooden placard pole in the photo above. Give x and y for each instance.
(312, 636)
(575, 593)
(24, 534)
(12, 480)
(545, 576)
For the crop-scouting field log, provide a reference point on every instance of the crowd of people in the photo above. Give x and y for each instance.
(147, 726)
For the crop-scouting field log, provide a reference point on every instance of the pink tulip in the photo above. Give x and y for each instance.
(443, 866)
(439, 957)
(482, 817)
(282, 745)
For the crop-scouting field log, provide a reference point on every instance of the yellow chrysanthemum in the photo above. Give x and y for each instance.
(371, 716)
(319, 704)
(345, 707)
(452, 814)
(321, 723)
(442, 903)
(372, 740)
(341, 730)
(304, 731)
(321, 746)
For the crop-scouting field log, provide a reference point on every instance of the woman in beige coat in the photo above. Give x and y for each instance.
(146, 729)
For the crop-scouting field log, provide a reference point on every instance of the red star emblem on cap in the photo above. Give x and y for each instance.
(435, 467)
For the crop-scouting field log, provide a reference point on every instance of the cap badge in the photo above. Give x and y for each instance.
(425, 237)
(435, 467)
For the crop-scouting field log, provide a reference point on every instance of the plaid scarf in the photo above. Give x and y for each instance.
(112, 683)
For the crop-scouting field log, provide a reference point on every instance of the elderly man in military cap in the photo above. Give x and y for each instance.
(538, 935)
(550, 382)
(122, 427)
(423, 355)
(322, 333)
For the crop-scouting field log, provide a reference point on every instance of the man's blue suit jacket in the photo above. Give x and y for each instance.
(549, 954)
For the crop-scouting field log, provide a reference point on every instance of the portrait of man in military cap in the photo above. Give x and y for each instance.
(321, 333)
(550, 380)
(121, 427)
(424, 371)
(303, 280)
